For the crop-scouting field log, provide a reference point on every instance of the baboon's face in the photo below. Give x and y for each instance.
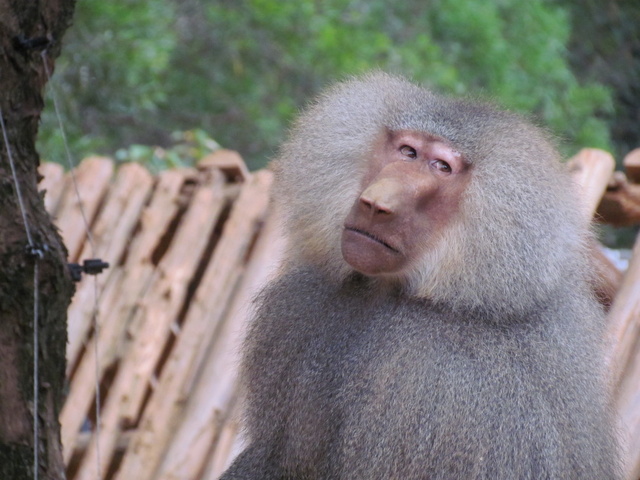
(411, 190)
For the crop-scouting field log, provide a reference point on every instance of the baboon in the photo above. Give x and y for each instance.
(433, 318)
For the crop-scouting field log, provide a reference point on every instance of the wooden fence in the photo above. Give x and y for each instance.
(188, 248)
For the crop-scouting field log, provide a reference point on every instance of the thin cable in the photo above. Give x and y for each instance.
(36, 303)
(70, 162)
(96, 334)
(94, 315)
(36, 373)
(15, 179)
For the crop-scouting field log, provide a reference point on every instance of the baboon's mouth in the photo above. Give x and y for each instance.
(372, 237)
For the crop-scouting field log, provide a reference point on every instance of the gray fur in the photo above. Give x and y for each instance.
(483, 361)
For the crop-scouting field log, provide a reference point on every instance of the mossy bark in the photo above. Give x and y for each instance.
(26, 29)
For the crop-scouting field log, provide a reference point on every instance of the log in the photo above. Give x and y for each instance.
(151, 325)
(52, 185)
(625, 325)
(93, 177)
(591, 169)
(228, 446)
(216, 388)
(607, 276)
(125, 290)
(624, 316)
(631, 164)
(206, 309)
(629, 411)
(111, 233)
(620, 204)
(229, 162)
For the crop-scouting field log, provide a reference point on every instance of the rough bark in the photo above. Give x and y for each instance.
(26, 28)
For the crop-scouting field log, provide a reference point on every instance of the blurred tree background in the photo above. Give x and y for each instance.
(154, 80)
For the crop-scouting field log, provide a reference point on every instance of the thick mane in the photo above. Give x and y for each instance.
(518, 216)
(433, 319)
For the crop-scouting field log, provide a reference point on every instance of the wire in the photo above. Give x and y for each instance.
(70, 162)
(38, 254)
(94, 315)
(15, 179)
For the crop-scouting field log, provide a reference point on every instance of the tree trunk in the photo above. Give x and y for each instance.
(26, 29)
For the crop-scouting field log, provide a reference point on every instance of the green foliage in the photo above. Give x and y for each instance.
(113, 58)
(241, 69)
(514, 53)
(605, 45)
(189, 147)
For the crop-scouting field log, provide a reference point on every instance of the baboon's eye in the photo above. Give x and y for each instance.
(441, 165)
(408, 151)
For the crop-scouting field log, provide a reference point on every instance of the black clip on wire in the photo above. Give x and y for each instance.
(93, 266)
